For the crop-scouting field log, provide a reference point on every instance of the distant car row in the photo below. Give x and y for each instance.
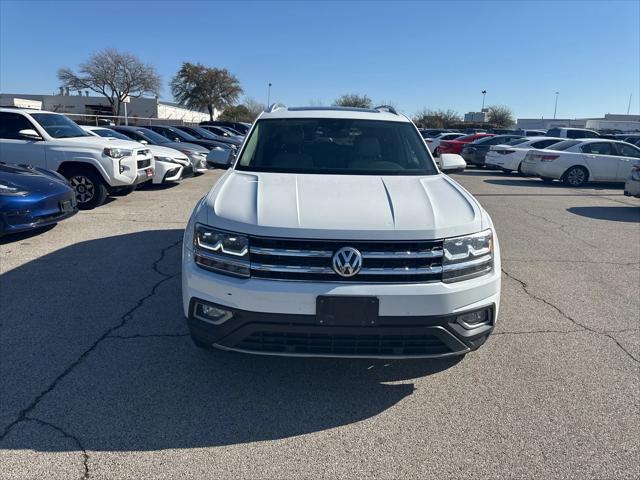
(40, 147)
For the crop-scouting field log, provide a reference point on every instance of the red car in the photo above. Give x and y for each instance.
(455, 146)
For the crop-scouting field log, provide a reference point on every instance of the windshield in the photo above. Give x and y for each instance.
(467, 138)
(205, 133)
(59, 126)
(152, 137)
(336, 146)
(516, 141)
(184, 136)
(563, 145)
(108, 133)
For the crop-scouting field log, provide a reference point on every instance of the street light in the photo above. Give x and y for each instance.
(484, 94)
(269, 95)
(555, 108)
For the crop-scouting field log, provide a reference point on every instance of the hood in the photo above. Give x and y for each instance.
(31, 180)
(186, 146)
(158, 151)
(354, 207)
(102, 142)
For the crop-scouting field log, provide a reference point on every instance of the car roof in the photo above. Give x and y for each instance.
(26, 110)
(334, 112)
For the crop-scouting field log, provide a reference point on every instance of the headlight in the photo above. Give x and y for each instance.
(11, 190)
(223, 252)
(467, 257)
(164, 159)
(117, 152)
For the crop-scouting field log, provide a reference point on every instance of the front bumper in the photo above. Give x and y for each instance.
(278, 317)
(25, 214)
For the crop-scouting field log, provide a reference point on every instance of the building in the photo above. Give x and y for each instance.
(141, 107)
(476, 117)
(610, 121)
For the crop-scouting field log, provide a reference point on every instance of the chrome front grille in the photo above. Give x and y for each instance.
(382, 261)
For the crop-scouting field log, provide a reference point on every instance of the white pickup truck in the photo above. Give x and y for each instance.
(334, 233)
(94, 166)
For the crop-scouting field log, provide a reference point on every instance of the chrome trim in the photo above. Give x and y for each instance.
(291, 252)
(221, 259)
(404, 254)
(471, 263)
(401, 271)
(326, 270)
(263, 267)
(326, 355)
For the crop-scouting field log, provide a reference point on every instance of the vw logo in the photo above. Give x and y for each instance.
(347, 262)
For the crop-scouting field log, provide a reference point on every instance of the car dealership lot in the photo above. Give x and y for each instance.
(99, 377)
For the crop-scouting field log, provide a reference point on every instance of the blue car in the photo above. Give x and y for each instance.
(33, 198)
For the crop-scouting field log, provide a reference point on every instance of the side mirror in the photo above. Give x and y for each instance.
(30, 134)
(219, 158)
(144, 142)
(452, 163)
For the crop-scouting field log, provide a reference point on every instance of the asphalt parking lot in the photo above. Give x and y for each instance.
(99, 378)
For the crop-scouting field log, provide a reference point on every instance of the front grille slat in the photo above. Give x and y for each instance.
(382, 261)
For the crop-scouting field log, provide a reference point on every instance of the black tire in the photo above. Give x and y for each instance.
(575, 176)
(122, 191)
(91, 191)
(436, 152)
(200, 344)
(520, 168)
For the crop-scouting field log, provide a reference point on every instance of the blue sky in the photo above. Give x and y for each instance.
(415, 54)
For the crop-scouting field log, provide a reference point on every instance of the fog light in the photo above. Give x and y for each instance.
(210, 314)
(474, 319)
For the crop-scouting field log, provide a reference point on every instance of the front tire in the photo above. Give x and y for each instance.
(576, 176)
(91, 191)
(436, 152)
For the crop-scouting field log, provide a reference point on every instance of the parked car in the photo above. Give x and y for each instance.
(197, 154)
(431, 132)
(577, 162)
(95, 166)
(526, 132)
(203, 134)
(508, 157)
(32, 198)
(629, 138)
(334, 234)
(564, 132)
(632, 186)
(169, 163)
(474, 153)
(433, 144)
(226, 132)
(503, 131)
(177, 135)
(456, 145)
(240, 127)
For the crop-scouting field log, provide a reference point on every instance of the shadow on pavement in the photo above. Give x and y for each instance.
(109, 311)
(614, 214)
(16, 237)
(535, 182)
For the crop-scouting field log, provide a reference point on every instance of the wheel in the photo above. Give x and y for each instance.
(520, 168)
(91, 191)
(436, 152)
(200, 344)
(575, 176)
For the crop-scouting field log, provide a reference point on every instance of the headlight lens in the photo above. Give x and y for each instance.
(467, 257)
(164, 159)
(11, 190)
(117, 152)
(223, 252)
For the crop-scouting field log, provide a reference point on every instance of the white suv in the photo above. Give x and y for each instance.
(335, 234)
(94, 166)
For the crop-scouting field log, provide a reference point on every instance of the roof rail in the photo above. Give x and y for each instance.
(386, 108)
(275, 106)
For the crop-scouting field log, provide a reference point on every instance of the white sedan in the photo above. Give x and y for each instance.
(579, 161)
(632, 187)
(170, 163)
(509, 156)
(434, 143)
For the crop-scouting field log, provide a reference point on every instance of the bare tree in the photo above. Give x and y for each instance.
(500, 116)
(248, 111)
(427, 118)
(353, 100)
(200, 87)
(113, 74)
(254, 107)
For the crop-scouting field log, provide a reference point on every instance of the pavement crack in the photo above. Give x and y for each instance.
(534, 260)
(124, 318)
(565, 315)
(537, 331)
(561, 227)
(76, 440)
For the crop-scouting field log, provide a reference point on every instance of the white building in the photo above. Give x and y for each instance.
(142, 107)
(611, 121)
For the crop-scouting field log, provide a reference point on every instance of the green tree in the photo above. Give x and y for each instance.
(500, 116)
(353, 100)
(427, 118)
(113, 74)
(199, 87)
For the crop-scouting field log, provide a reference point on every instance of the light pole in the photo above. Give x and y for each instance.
(555, 107)
(269, 95)
(484, 94)
(629, 105)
